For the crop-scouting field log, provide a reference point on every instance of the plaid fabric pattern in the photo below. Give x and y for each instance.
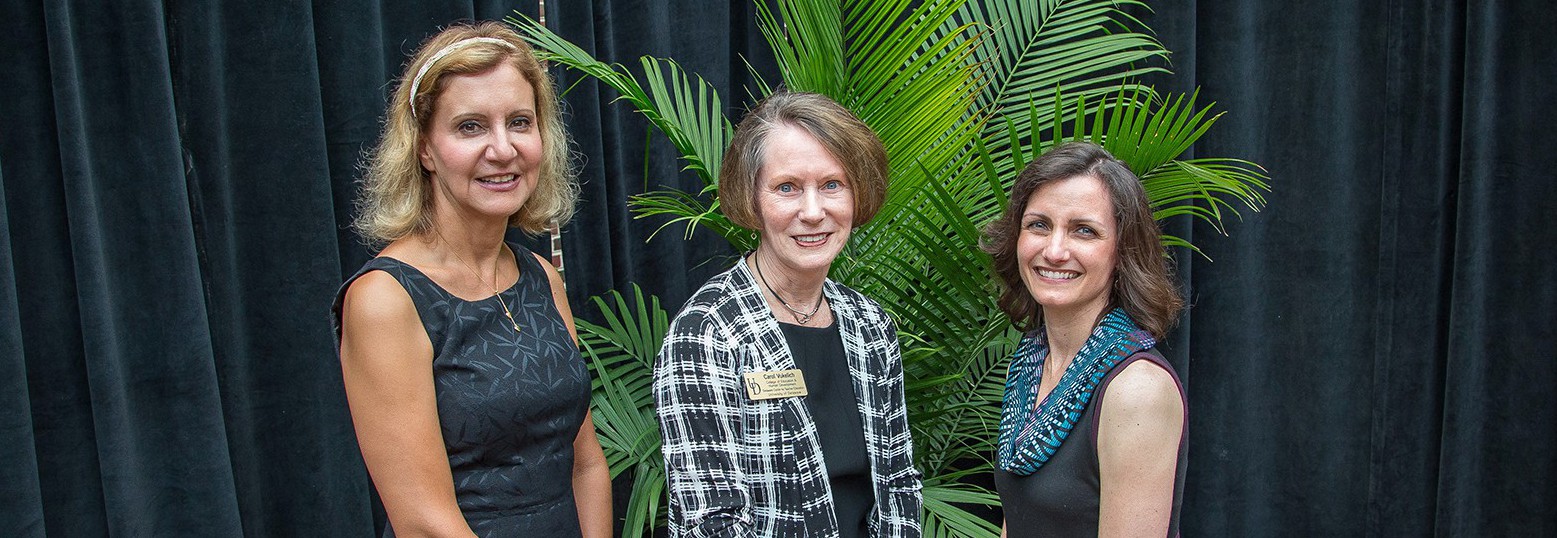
(739, 467)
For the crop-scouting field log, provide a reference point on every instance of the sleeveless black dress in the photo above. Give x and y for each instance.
(1064, 496)
(509, 405)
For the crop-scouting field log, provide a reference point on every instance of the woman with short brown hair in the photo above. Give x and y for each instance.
(780, 391)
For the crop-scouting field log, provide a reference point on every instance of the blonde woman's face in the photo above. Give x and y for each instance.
(483, 144)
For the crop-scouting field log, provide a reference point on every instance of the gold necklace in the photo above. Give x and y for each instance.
(496, 265)
(500, 301)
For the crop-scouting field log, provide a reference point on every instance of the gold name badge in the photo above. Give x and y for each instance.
(770, 385)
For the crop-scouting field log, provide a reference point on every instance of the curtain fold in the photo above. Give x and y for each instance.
(260, 179)
(19, 473)
(1282, 332)
(1500, 418)
(146, 372)
(1419, 155)
(58, 409)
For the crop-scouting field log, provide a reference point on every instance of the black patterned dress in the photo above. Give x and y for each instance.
(509, 404)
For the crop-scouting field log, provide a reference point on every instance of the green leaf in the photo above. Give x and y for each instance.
(621, 353)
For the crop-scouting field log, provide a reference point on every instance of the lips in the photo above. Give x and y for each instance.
(498, 180)
(811, 240)
(1057, 274)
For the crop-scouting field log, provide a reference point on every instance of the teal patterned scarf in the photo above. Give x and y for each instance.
(1030, 433)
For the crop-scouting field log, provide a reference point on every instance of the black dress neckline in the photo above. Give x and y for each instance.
(510, 290)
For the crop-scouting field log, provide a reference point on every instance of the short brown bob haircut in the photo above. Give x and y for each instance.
(1143, 281)
(847, 138)
(396, 197)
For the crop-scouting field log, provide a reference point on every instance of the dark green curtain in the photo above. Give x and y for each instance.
(1371, 354)
(1366, 356)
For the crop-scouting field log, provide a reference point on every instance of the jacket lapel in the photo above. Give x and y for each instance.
(765, 336)
(863, 374)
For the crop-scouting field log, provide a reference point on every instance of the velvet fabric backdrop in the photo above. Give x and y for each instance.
(1372, 353)
(1369, 355)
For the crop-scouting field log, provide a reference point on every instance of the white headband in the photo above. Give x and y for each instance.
(457, 45)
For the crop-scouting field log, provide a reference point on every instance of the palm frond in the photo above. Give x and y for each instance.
(807, 41)
(692, 211)
(944, 517)
(1081, 48)
(645, 508)
(1074, 46)
(925, 264)
(621, 354)
(689, 113)
(1176, 186)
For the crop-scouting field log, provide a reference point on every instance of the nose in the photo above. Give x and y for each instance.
(501, 147)
(1055, 251)
(811, 206)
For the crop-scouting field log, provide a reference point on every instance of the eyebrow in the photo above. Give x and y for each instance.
(793, 178)
(1085, 220)
(510, 114)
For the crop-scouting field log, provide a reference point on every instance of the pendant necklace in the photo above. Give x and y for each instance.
(495, 292)
(800, 317)
(504, 304)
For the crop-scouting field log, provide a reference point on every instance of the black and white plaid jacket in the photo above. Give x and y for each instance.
(739, 467)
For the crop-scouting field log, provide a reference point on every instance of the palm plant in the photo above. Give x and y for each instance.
(621, 353)
(963, 93)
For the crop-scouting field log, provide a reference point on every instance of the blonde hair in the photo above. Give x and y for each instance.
(848, 139)
(396, 197)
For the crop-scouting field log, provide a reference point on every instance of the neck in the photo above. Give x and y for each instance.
(477, 240)
(799, 288)
(463, 251)
(1068, 330)
(467, 249)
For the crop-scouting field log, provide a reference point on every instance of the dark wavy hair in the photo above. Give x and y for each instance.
(1143, 281)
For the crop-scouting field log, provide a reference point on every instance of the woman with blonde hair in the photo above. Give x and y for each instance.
(466, 386)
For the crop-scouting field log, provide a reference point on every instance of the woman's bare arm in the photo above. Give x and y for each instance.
(1138, 448)
(386, 362)
(591, 475)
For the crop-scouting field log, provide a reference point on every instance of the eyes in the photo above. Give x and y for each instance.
(473, 127)
(830, 185)
(1041, 226)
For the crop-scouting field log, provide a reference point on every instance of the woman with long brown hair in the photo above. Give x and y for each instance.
(1092, 430)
